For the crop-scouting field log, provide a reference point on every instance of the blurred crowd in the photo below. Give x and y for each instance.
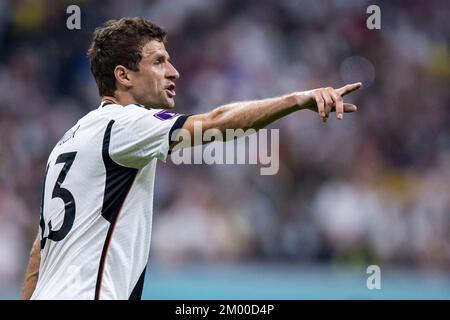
(371, 189)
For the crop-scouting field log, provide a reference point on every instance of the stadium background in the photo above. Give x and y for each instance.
(372, 189)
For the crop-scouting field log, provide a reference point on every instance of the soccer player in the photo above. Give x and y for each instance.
(96, 210)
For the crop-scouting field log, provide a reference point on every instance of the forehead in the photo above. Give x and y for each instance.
(154, 47)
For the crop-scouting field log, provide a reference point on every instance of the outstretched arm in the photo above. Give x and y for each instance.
(32, 273)
(260, 113)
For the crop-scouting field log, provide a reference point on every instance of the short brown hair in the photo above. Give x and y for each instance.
(119, 42)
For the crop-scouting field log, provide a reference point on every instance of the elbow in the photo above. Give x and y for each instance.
(214, 120)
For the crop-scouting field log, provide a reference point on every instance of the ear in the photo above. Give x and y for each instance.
(122, 75)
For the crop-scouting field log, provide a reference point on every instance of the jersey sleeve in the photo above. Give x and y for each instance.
(140, 135)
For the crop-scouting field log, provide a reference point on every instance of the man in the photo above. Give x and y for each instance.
(96, 210)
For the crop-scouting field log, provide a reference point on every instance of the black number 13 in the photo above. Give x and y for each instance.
(66, 196)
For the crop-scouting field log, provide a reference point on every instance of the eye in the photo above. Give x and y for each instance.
(159, 61)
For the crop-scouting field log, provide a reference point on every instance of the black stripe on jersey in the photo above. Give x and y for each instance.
(106, 102)
(119, 180)
(136, 294)
(177, 125)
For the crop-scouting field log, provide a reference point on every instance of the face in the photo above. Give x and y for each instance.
(154, 83)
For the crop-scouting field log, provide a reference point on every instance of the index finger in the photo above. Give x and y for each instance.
(349, 88)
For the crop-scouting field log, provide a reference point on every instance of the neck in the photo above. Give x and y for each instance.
(121, 99)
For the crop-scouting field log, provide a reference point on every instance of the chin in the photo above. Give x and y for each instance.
(169, 104)
(166, 104)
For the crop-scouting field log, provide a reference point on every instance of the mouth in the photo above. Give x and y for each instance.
(171, 90)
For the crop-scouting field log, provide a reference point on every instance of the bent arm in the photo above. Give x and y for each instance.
(260, 113)
(32, 273)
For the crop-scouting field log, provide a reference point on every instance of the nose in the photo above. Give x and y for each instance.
(172, 73)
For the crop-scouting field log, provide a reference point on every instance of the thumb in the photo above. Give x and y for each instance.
(348, 107)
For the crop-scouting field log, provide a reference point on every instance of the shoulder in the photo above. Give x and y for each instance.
(135, 112)
(126, 112)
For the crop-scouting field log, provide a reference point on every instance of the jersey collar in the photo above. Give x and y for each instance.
(106, 102)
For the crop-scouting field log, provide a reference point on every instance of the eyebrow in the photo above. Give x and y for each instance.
(159, 55)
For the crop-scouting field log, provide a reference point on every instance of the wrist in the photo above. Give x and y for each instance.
(299, 100)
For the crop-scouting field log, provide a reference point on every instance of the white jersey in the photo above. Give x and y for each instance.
(97, 200)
